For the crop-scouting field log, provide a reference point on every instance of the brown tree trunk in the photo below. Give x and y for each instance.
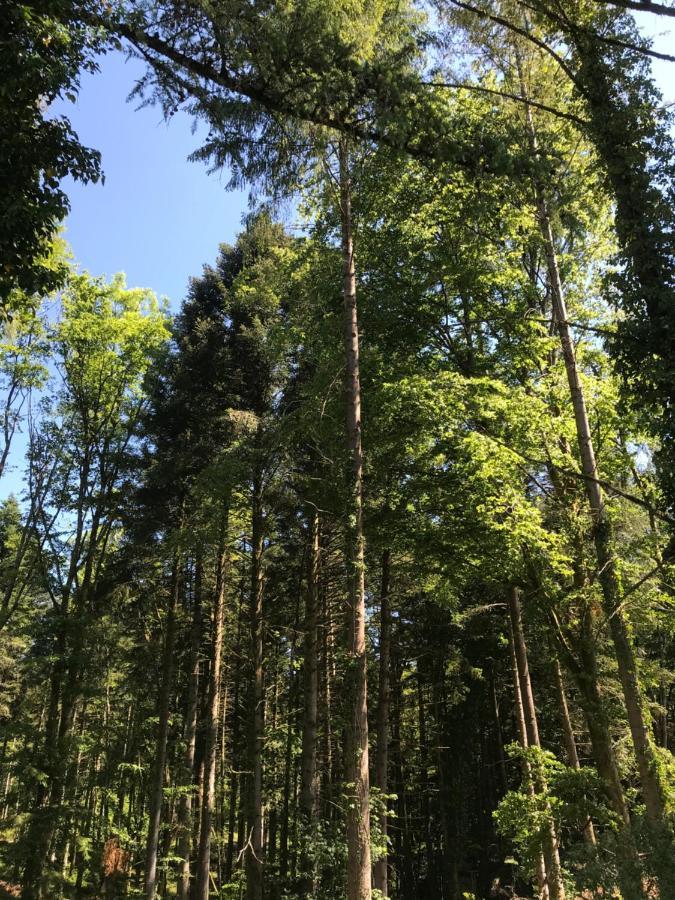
(555, 883)
(235, 776)
(212, 719)
(568, 737)
(190, 736)
(638, 720)
(382, 747)
(358, 812)
(328, 674)
(157, 788)
(285, 836)
(556, 886)
(254, 838)
(308, 773)
(542, 879)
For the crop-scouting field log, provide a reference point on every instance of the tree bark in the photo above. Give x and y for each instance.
(358, 784)
(308, 773)
(254, 838)
(157, 788)
(554, 875)
(652, 788)
(190, 736)
(382, 747)
(568, 738)
(213, 718)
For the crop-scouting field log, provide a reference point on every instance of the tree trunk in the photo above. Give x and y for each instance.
(542, 880)
(308, 773)
(647, 762)
(568, 738)
(254, 838)
(382, 747)
(555, 883)
(357, 775)
(185, 807)
(157, 787)
(235, 776)
(213, 718)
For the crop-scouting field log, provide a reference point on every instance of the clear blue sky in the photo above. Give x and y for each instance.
(158, 218)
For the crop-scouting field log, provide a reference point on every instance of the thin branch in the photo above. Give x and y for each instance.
(566, 23)
(657, 9)
(508, 96)
(523, 32)
(572, 473)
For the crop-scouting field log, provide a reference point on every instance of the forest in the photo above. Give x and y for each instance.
(353, 576)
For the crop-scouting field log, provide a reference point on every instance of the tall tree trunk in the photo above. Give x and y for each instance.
(568, 737)
(357, 774)
(235, 776)
(285, 835)
(213, 718)
(424, 789)
(555, 883)
(382, 747)
(648, 767)
(328, 674)
(157, 787)
(254, 838)
(190, 736)
(542, 879)
(503, 780)
(308, 773)
(584, 671)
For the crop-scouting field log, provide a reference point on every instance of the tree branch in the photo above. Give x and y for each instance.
(657, 9)
(508, 96)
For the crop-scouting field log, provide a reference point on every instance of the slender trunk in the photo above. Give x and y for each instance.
(157, 787)
(568, 738)
(185, 807)
(213, 719)
(284, 838)
(357, 775)
(498, 734)
(254, 838)
(555, 883)
(235, 777)
(648, 767)
(308, 775)
(382, 747)
(328, 671)
(423, 745)
(542, 880)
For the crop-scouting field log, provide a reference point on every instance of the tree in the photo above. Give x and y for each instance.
(44, 46)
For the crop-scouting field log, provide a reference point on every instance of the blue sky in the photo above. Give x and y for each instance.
(158, 217)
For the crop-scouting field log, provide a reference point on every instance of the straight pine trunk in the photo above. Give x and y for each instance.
(254, 838)
(157, 787)
(357, 774)
(555, 883)
(235, 777)
(185, 807)
(568, 738)
(308, 773)
(542, 879)
(212, 719)
(380, 880)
